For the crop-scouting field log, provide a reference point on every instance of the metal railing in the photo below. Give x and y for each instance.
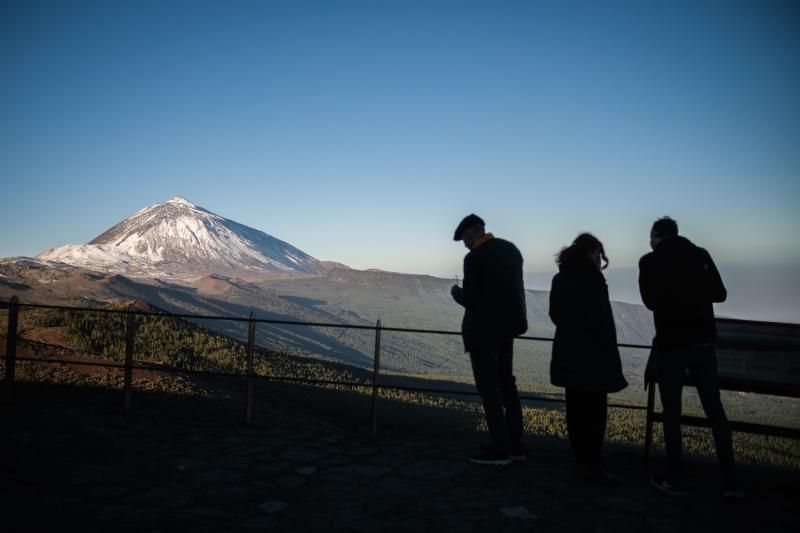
(250, 375)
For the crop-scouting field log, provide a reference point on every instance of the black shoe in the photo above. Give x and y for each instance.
(488, 457)
(673, 488)
(518, 452)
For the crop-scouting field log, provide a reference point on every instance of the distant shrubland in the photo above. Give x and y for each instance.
(337, 392)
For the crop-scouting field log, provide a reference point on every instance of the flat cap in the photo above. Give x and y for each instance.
(468, 222)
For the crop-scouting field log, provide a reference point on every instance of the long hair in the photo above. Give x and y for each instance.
(579, 250)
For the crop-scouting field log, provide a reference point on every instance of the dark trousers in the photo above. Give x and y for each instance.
(587, 412)
(492, 367)
(701, 365)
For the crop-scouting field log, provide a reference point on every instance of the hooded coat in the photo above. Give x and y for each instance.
(585, 353)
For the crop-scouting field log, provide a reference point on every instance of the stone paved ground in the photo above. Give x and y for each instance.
(71, 459)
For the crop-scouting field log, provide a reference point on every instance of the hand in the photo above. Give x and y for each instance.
(455, 292)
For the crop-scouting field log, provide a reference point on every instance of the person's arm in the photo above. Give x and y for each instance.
(646, 288)
(472, 283)
(556, 310)
(468, 294)
(716, 289)
(458, 294)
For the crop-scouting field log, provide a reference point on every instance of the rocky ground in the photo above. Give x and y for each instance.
(70, 458)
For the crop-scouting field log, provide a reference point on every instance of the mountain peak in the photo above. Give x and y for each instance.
(180, 200)
(178, 238)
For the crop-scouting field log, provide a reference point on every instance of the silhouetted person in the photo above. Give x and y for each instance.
(680, 283)
(585, 359)
(494, 300)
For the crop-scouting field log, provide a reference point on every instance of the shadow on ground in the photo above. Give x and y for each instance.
(72, 458)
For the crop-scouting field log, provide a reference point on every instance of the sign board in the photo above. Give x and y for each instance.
(759, 356)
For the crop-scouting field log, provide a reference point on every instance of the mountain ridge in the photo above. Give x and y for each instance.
(347, 297)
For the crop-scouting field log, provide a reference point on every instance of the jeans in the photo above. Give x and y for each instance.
(587, 412)
(701, 365)
(492, 367)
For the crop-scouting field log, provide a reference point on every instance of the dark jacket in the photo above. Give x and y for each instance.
(493, 295)
(679, 283)
(585, 353)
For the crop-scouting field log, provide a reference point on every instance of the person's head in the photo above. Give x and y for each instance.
(470, 230)
(663, 228)
(585, 246)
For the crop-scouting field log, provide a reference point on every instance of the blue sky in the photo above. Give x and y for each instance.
(362, 132)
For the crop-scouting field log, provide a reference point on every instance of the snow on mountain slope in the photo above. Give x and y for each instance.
(179, 238)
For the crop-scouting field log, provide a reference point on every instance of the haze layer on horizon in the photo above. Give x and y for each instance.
(755, 292)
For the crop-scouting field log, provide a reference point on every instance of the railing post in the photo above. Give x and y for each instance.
(251, 341)
(375, 374)
(11, 348)
(129, 333)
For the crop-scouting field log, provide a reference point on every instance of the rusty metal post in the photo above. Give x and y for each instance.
(648, 432)
(129, 333)
(11, 348)
(251, 341)
(375, 373)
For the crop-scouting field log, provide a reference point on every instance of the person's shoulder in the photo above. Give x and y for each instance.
(490, 247)
(704, 257)
(504, 244)
(558, 282)
(647, 259)
(694, 250)
(683, 245)
(702, 251)
(589, 276)
(502, 240)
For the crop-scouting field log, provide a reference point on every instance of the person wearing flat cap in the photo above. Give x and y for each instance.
(493, 297)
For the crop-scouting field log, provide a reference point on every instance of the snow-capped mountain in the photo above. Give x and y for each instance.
(177, 239)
